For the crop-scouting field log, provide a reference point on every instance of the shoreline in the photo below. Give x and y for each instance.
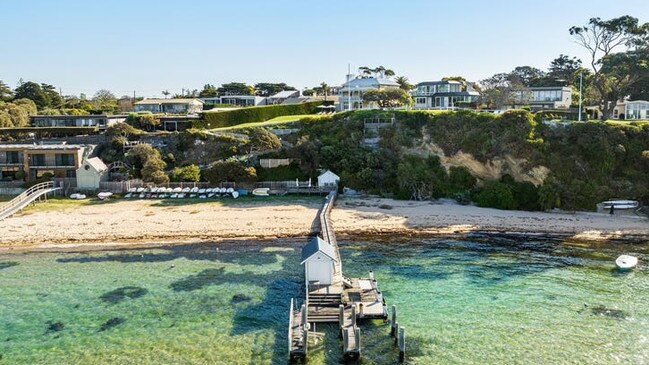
(138, 223)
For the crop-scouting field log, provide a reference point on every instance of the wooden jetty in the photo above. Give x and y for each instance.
(331, 297)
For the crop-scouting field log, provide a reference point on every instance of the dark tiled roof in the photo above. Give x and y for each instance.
(315, 245)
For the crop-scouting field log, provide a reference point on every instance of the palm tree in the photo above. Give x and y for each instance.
(364, 70)
(166, 93)
(403, 83)
(325, 89)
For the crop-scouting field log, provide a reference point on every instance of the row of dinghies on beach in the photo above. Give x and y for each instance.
(187, 192)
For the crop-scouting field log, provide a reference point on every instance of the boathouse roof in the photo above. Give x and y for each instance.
(315, 245)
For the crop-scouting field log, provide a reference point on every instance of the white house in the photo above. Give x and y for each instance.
(350, 94)
(319, 260)
(625, 110)
(328, 179)
(91, 172)
(170, 106)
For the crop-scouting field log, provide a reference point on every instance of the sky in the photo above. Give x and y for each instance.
(146, 47)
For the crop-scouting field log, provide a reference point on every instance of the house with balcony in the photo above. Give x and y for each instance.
(99, 121)
(169, 106)
(31, 161)
(546, 97)
(445, 94)
(350, 94)
(624, 110)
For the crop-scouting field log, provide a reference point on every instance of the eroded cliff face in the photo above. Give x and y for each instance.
(492, 169)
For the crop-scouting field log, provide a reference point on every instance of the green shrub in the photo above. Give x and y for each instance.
(231, 170)
(46, 132)
(252, 114)
(495, 194)
(190, 173)
(460, 179)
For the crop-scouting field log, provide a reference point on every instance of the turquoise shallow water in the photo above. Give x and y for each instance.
(478, 301)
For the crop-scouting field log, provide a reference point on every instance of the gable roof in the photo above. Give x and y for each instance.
(315, 245)
(368, 82)
(285, 94)
(329, 172)
(97, 164)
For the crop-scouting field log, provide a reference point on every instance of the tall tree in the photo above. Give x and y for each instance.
(6, 93)
(268, 88)
(601, 38)
(54, 99)
(166, 93)
(525, 75)
(404, 84)
(236, 88)
(565, 68)
(325, 89)
(105, 101)
(209, 91)
(387, 98)
(33, 91)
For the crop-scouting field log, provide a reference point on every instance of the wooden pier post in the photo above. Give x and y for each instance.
(341, 315)
(305, 340)
(372, 275)
(353, 315)
(360, 310)
(402, 344)
(345, 341)
(396, 332)
(303, 314)
(393, 324)
(357, 334)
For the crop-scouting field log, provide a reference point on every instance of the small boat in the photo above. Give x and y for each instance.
(104, 195)
(186, 190)
(235, 194)
(192, 196)
(77, 196)
(201, 191)
(140, 189)
(181, 196)
(141, 196)
(202, 196)
(211, 195)
(229, 190)
(128, 195)
(626, 262)
(132, 190)
(261, 192)
(194, 190)
(174, 196)
(177, 190)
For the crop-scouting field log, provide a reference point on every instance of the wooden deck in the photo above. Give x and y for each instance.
(346, 301)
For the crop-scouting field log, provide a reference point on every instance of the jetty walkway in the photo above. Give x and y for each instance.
(27, 197)
(334, 298)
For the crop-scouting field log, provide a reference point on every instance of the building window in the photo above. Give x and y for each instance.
(13, 157)
(37, 159)
(64, 159)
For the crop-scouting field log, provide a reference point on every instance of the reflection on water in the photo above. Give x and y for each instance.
(486, 300)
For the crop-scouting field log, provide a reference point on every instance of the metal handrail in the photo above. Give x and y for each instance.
(24, 196)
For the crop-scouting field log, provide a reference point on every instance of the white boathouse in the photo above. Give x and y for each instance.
(319, 259)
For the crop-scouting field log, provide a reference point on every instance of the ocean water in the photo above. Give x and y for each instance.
(477, 301)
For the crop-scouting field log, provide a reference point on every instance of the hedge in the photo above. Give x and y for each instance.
(253, 114)
(46, 132)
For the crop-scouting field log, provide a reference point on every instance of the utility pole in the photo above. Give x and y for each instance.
(581, 80)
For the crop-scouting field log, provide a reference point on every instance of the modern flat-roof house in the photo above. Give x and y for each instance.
(170, 106)
(237, 100)
(350, 94)
(443, 94)
(547, 97)
(174, 123)
(625, 110)
(31, 161)
(100, 121)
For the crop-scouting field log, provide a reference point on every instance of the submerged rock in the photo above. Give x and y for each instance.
(601, 310)
(54, 326)
(115, 321)
(119, 294)
(238, 298)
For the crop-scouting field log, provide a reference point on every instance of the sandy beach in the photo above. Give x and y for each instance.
(149, 221)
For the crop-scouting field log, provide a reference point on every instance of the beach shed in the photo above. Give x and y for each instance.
(91, 172)
(328, 179)
(319, 259)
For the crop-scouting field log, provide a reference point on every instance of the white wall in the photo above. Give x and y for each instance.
(319, 268)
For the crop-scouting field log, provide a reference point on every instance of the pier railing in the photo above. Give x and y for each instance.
(25, 198)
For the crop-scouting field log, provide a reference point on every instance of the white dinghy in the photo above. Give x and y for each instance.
(626, 262)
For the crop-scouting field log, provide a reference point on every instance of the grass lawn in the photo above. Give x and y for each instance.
(286, 119)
